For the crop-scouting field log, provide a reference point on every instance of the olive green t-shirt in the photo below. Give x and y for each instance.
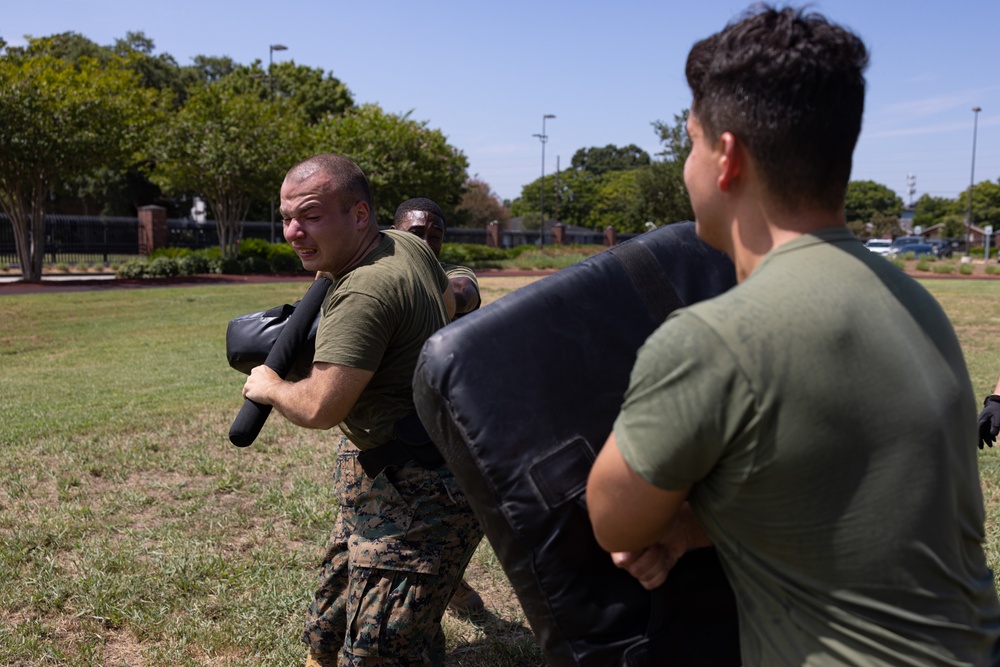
(377, 317)
(822, 414)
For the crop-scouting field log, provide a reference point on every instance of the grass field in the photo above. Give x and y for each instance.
(133, 533)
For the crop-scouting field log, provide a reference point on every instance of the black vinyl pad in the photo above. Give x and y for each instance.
(520, 395)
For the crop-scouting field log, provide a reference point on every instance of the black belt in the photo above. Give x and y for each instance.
(412, 443)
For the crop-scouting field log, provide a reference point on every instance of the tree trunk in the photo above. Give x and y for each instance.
(28, 221)
(37, 234)
(229, 210)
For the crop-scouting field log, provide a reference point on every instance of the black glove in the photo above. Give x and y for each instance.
(989, 421)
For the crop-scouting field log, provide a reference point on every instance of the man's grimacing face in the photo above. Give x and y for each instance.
(323, 236)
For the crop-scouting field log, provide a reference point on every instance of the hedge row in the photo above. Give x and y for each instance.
(255, 256)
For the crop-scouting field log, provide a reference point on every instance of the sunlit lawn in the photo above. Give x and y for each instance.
(133, 533)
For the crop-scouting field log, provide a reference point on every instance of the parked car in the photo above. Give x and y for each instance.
(918, 250)
(878, 246)
(902, 241)
(942, 248)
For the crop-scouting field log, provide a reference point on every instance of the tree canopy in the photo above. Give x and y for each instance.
(479, 205)
(618, 187)
(600, 161)
(231, 147)
(872, 209)
(402, 157)
(61, 119)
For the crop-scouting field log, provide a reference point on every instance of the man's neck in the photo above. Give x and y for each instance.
(757, 232)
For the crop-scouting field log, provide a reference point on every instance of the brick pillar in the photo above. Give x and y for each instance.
(610, 236)
(152, 229)
(559, 234)
(493, 235)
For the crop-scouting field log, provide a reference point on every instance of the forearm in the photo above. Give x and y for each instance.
(320, 401)
(300, 406)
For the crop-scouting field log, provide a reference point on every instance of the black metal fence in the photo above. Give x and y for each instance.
(74, 239)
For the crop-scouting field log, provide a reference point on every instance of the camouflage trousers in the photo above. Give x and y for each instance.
(398, 549)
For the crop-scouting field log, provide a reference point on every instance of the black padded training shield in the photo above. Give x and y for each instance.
(519, 397)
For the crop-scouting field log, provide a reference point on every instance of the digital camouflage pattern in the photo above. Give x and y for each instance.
(398, 549)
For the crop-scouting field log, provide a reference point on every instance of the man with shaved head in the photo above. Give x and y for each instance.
(404, 531)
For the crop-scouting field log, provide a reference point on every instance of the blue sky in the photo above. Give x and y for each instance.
(485, 73)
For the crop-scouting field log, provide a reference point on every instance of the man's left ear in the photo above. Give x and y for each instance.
(730, 161)
(362, 213)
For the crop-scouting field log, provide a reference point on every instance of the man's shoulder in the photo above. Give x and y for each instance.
(458, 271)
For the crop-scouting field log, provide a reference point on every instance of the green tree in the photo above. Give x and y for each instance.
(954, 226)
(865, 200)
(617, 203)
(600, 161)
(985, 204)
(317, 93)
(210, 69)
(70, 46)
(231, 148)
(661, 187)
(61, 121)
(674, 138)
(571, 192)
(479, 205)
(402, 157)
(663, 194)
(929, 211)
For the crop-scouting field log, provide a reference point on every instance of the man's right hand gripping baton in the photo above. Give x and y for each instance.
(250, 420)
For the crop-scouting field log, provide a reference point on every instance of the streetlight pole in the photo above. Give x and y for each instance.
(270, 80)
(543, 138)
(972, 182)
(270, 63)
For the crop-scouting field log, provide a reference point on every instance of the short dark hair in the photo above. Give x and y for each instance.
(418, 204)
(790, 86)
(347, 176)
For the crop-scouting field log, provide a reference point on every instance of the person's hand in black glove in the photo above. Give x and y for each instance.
(989, 421)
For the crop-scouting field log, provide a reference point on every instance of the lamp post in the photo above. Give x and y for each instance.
(270, 80)
(972, 182)
(270, 62)
(543, 138)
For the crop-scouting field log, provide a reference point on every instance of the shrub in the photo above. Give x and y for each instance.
(212, 252)
(254, 264)
(62, 267)
(162, 267)
(226, 266)
(193, 264)
(174, 253)
(965, 269)
(283, 259)
(133, 268)
(992, 269)
(476, 255)
(82, 266)
(258, 248)
(923, 265)
(943, 268)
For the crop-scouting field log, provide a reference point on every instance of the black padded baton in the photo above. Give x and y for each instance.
(246, 427)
